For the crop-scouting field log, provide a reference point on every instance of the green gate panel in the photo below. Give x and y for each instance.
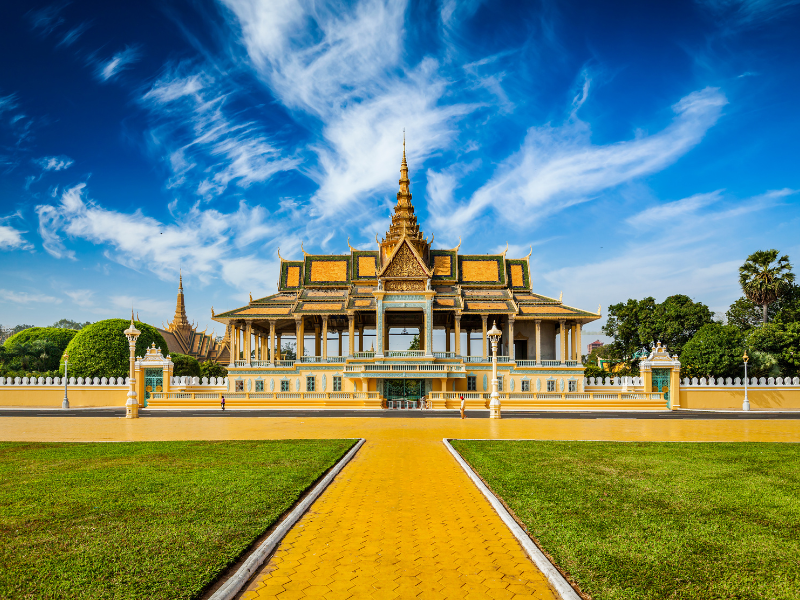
(153, 382)
(661, 382)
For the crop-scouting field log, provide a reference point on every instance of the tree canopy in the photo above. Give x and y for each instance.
(185, 365)
(765, 277)
(715, 351)
(101, 349)
(638, 323)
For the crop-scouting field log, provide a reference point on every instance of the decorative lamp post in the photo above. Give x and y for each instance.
(65, 402)
(132, 405)
(494, 335)
(746, 403)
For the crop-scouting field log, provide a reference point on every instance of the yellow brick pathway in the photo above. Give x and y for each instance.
(401, 520)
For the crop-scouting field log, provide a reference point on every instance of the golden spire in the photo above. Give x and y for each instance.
(404, 221)
(180, 319)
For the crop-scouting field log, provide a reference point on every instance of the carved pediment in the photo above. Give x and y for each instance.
(406, 263)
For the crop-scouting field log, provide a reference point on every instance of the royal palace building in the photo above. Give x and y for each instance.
(340, 311)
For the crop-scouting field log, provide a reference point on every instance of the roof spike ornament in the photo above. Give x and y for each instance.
(561, 296)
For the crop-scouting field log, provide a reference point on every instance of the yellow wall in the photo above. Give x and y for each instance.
(731, 399)
(52, 396)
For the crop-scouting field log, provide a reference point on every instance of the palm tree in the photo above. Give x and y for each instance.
(764, 278)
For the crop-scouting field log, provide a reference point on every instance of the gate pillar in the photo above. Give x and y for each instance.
(661, 372)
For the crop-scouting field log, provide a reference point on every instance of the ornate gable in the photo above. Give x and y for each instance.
(405, 263)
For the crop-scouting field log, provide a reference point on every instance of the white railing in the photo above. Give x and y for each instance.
(240, 363)
(570, 363)
(614, 381)
(184, 380)
(260, 364)
(284, 363)
(445, 355)
(551, 363)
(739, 382)
(404, 353)
(526, 363)
(311, 359)
(394, 368)
(564, 396)
(475, 359)
(59, 381)
(363, 355)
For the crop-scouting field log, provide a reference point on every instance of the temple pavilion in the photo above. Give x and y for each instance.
(341, 310)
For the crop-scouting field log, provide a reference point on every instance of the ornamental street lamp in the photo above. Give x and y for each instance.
(746, 403)
(132, 405)
(65, 402)
(494, 335)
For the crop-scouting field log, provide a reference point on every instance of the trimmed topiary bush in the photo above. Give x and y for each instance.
(37, 348)
(101, 349)
(185, 365)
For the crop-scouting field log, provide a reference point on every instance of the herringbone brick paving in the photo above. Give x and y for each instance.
(402, 520)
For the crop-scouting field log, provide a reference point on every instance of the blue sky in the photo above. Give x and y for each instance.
(640, 148)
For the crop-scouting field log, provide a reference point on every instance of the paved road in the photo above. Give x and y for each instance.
(394, 414)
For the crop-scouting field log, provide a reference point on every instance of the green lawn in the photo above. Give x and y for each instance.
(656, 520)
(145, 519)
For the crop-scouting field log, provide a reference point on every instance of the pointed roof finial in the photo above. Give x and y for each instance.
(404, 145)
(180, 279)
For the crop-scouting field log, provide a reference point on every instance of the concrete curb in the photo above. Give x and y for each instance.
(235, 584)
(562, 587)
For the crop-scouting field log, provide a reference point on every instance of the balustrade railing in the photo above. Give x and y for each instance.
(240, 363)
(551, 363)
(405, 367)
(475, 359)
(363, 355)
(570, 363)
(404, 353)
(526, 363)
(445, 355)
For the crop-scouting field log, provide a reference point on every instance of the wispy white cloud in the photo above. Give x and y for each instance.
(26, 298)
(557, 167)
(658, 216)
(54, 163)
(71, 36)
(203, 141)
(686, 212)
(10, 237)
(142, 304)
(108, 69)
(8, 102)
(748, 12)
(84, 298)
(207, 243)
(342, 65)
(45, 20)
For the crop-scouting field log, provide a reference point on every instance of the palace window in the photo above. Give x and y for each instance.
(310, 384)
(238, 386)
(285, 385)
(259, 386)
(551, 385)
(472, 383)
(526, 386)
(572, 386)
(337, 383)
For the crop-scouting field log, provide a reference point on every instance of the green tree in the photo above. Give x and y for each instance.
(624, 322)
(674, 322)
(67, 324)
(37, 348)
(746, 314)
(185, 366)
(288, 352)
(101, 349)
(715, 351)
(764, 278)
(414, 343)
(211, 369)
(790, 350)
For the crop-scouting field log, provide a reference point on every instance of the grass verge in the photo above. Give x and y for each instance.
(656, 520)
(142, 519)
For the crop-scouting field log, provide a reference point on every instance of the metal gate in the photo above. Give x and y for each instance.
(403, 389)
(661, 382)
(153, 381)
